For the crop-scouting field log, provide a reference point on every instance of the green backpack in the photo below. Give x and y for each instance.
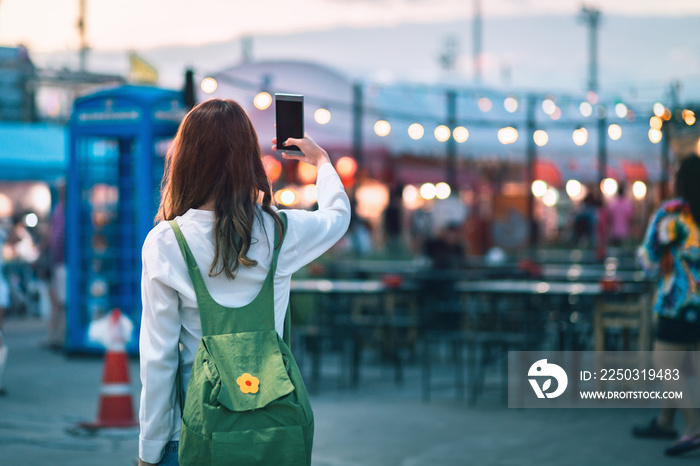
(246, 402)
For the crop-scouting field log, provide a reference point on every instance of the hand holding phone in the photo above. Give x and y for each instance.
(289, 117)
(313, 154)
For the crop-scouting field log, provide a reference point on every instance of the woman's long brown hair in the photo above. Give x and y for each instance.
(216, 156)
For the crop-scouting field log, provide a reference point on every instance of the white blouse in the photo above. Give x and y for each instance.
(170, 314)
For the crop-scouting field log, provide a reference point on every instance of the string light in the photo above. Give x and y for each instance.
(659, 109)
(639, 190)
(573, 188)
(586, 109)
(580, 136)
(428, 191)
(608, 186)
(382, 128)
(539, 188)
(540, 137)
(507, 135)
(510, 104)
(485, 104)
(442, 133)
(620, 110)
(209, 85)
(550, 197)
(615, 132)
(688, 117)
(416, 131)
(655, 135)
(442, 190)
(322, 116)
(461, 134)
(548, 106)
(262, 100)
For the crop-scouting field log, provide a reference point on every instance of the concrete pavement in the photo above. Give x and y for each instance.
(376, 424)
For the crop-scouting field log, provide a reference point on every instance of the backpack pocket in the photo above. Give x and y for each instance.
(273, 446)
(246, 369)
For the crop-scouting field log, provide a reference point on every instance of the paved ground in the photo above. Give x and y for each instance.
(377, 424)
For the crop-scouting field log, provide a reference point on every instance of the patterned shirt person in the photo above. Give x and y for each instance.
(672, 242)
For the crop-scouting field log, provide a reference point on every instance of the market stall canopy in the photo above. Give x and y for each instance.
(32, 151)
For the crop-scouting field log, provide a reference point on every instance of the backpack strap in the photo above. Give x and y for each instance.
(192, 268)
(286, 336)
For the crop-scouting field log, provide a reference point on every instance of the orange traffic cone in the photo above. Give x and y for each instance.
(115, 406)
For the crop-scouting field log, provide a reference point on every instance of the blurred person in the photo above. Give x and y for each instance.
(9, 237)
(585, 222)
(672, 242)
(393, 220)
(621, 214)
(214, 175)
(421, 226)
(446, 250)
(54, 245)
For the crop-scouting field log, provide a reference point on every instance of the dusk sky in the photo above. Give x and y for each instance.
(50, 25)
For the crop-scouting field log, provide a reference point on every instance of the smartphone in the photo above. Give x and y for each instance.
(289, 116)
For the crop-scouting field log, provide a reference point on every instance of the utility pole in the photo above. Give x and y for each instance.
(357, 113)
(451, 162)
(591, 17)
(83, 39)
(531, 161)
(477, 42)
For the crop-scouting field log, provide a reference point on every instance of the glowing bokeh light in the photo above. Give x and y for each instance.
(655, 135)
(550, 197)
(461, 134)
(442, 133)
(307, 172)
(507, 135)
(659, 109)
(608, 186)
(31, 220)
(510, 104)
(574, 188)
(288, 197)
(586, 109)
(209, 85)
(382, 128)
(346, 166)
(639, 190)
(615, 132)
(621, 110)
(556, 114)
(442, 190)
(416, 131)
(273, 167)
(548, 106)
(428, 191)
(262, 100)
(689, 117)
(540, 137)
(485, 104)
(539, 188)
(580, 136)
(322, 116)
(410, 194)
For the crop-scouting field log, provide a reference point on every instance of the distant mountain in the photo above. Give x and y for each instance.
(639, 56)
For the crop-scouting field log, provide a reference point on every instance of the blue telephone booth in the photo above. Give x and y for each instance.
(118, 141)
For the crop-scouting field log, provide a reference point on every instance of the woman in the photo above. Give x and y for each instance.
(216, 189)
(672, 242)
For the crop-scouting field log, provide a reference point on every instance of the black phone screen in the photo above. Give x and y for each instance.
(290, 121)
